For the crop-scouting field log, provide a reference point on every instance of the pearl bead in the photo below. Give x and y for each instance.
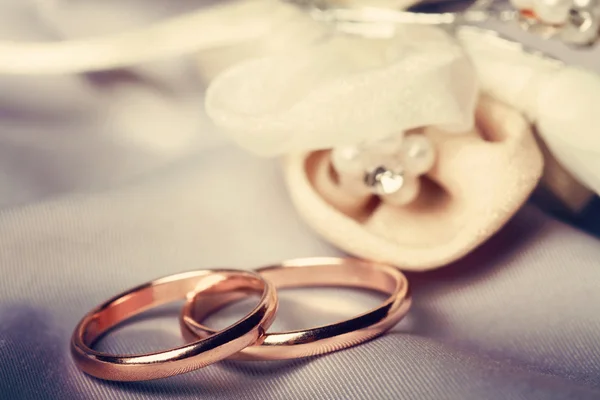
(380, 152)
(347, 160)
(407, 194)
(552, 11)
(348, 163)
(417, 154)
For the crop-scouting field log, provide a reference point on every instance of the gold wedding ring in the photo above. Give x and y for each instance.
(314, 272)
(197, 354)
(206, 291)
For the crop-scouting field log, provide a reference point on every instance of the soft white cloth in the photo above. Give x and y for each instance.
(69, 133)
(109, 180)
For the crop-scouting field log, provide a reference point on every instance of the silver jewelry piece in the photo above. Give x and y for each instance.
(581, 27)
(384, 181)
(389, 168)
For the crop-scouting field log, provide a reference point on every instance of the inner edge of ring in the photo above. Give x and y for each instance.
(84, 348)
(399, 294)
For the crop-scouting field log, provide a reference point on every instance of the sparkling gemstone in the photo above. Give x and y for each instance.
(384, 181)
(407, 193)
(417, 154)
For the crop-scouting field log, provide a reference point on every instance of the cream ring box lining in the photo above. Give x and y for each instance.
(480, 180)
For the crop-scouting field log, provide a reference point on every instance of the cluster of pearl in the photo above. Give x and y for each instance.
(389, 168)
(576, 21)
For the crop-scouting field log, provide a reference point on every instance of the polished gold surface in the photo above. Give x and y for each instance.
(313, 272)
(194, 355)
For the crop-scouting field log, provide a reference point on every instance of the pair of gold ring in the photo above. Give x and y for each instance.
(206, 291)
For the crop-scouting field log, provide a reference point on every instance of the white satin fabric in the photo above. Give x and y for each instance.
(108, 180)
(68, 133)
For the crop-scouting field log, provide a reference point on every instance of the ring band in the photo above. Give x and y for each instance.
(179, 360)
(314, 272)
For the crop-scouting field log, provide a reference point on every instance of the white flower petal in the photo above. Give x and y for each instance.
(345, 90)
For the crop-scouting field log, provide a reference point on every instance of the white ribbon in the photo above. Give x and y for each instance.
(237, 21)
(345, 90)
(207, 28)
